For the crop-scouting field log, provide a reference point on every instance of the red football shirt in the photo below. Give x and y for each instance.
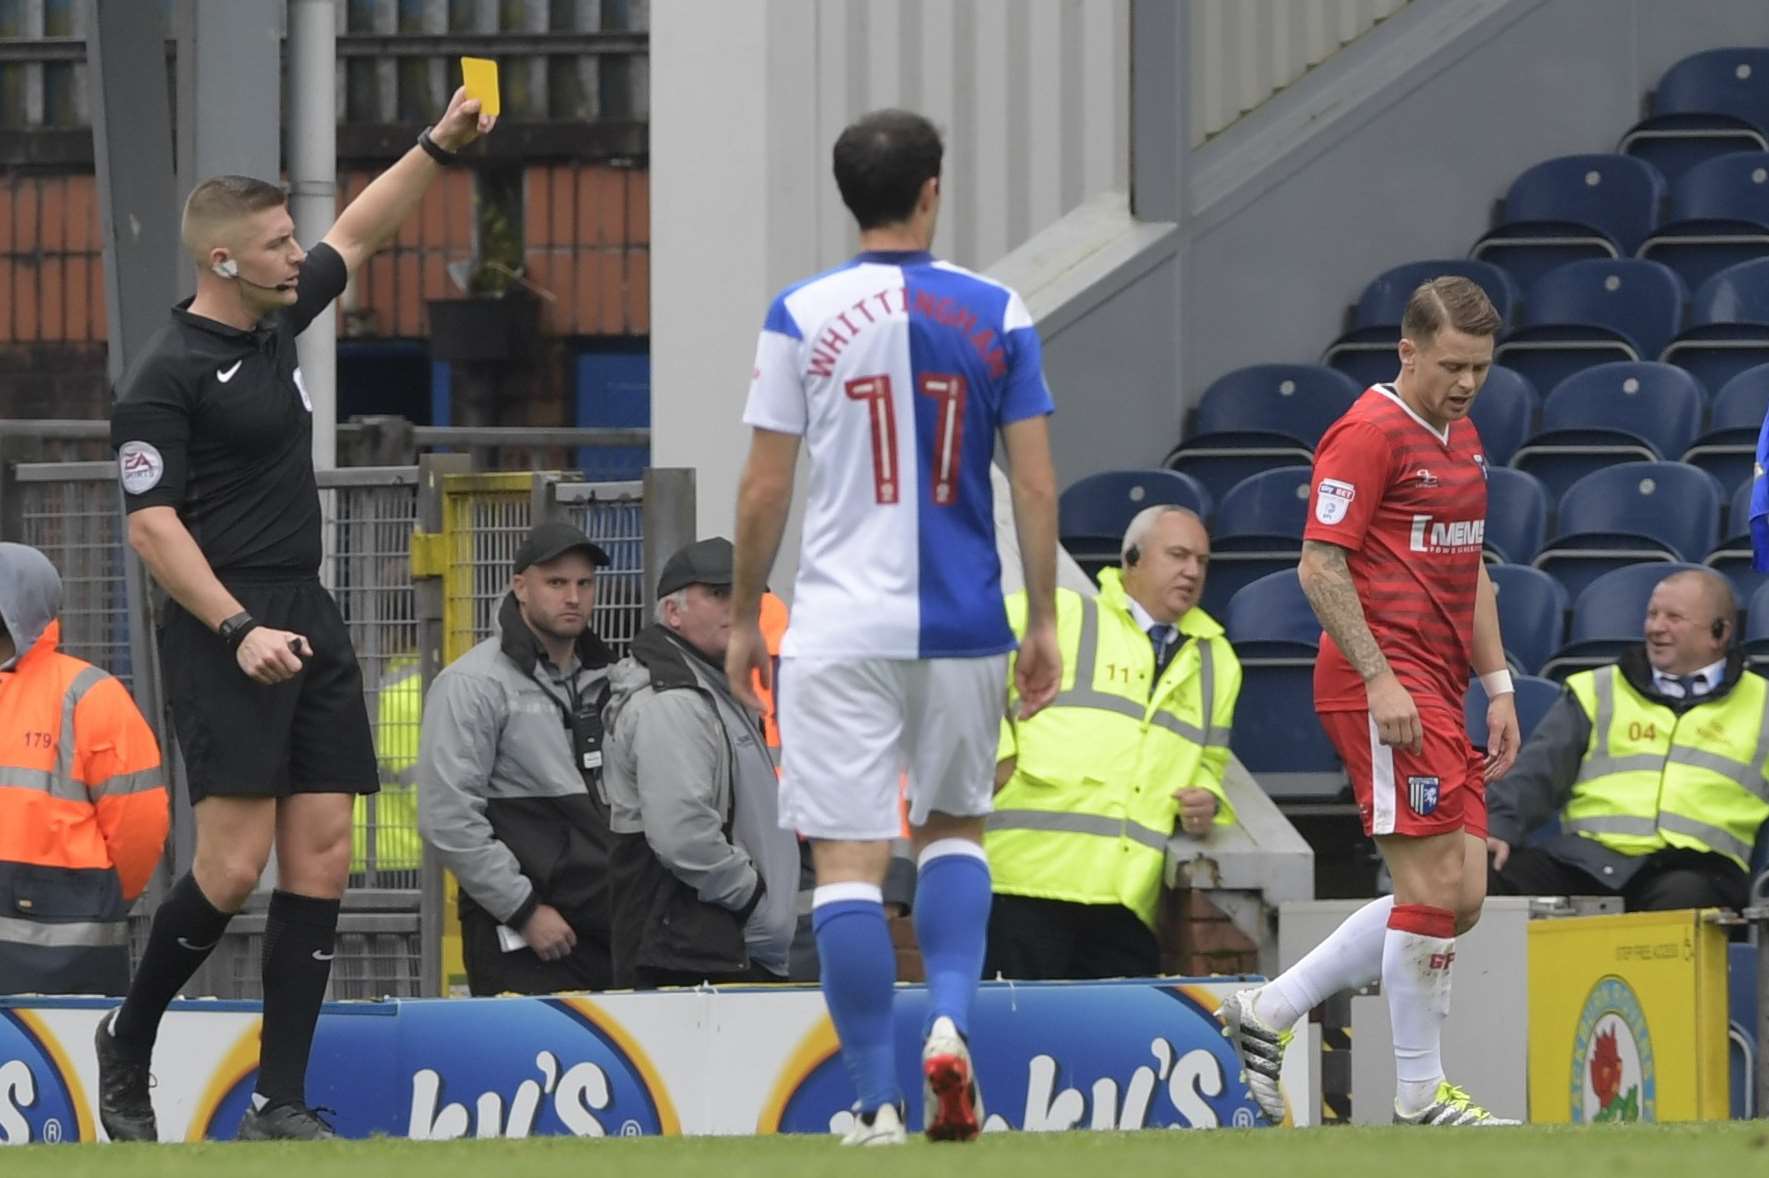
(1409, 505)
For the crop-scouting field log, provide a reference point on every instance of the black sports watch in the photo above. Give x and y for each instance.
(435, 150)
(233, 630)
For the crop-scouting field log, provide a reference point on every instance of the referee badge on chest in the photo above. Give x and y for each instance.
(1422, 794)
(302, 389)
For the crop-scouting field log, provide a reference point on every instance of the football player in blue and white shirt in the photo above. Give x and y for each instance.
(898, 371)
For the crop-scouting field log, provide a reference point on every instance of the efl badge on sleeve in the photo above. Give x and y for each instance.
(1332, 500)
(1422, 794)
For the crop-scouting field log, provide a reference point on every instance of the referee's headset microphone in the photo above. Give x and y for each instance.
(230, 269)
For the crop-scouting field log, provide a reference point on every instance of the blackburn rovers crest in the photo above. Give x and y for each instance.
(1612, 1070)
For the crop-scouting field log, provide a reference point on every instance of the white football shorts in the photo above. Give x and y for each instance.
(850, 729)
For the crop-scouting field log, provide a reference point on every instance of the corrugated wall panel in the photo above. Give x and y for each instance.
(1033, 97)
(51, 264)
(1245, 51)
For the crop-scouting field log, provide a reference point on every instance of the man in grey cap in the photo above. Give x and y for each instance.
(704, 882)
(509, 762)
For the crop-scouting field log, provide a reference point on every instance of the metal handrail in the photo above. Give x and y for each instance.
(34, 50)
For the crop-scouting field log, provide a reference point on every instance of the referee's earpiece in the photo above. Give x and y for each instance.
(1719, 629)
(1132, 555)
(226, 268)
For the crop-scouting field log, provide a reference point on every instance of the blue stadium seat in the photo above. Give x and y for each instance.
(1505, 413)
(1608, 617)
(1532, 613)
(1733, 555)
(1272, 617)
(1373, 361)
(1732, 81)
(1706, 104)
(1728, 450)
(1534, 697)
(1276, 735)
(1295, 402)
(1586, 313)
(1756, 628)
(1728, 328)
(1718, 217)
(1676, 144)
(1573, 208)
(1375, 321)
(1257, 531)
(1384, 300)
(1516, 514)
(1093, 513)
(1656, 403)
(1628, 513)
(1258, 418)
(1272, 504)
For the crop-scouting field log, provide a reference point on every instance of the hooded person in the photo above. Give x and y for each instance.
(83, 811)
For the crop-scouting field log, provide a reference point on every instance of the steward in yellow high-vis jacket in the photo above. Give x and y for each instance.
(1655, 764)
(1131, 750)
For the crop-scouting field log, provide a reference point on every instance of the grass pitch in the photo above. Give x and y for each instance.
(1716, 1150)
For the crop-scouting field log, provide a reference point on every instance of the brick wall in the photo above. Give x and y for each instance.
(1198, 939)
(587, 234)
(51, 260)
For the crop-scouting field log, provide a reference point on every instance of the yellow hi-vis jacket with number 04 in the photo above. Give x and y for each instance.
(1652, 779)
(1088, 811)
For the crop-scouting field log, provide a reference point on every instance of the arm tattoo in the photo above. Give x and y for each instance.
(1334, 598)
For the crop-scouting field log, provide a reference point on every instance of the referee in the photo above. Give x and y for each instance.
(213, 432)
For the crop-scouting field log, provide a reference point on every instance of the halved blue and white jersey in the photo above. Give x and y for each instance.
(898, 371)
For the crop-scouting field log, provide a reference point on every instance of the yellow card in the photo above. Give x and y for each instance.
(480, 75)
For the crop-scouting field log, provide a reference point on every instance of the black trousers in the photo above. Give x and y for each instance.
(657, 979)
(1032, 939)
(1668, 880)
(490, 970)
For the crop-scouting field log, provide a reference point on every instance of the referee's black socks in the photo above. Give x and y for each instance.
(299, 939)
(185, 931)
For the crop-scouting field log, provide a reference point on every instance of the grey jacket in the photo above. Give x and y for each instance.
(1540, 784)
(501, 796)
(673, 757)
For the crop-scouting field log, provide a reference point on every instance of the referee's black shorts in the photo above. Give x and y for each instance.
(241, 738)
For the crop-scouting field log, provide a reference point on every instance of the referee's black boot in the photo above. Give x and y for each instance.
(284, 1122)
(124, 1108)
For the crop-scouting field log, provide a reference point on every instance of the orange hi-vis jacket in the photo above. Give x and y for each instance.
(773, 619)
(83, 820)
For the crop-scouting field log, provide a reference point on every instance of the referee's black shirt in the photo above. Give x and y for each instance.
(213, 421)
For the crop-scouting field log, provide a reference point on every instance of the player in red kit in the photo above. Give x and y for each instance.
(1391, 562)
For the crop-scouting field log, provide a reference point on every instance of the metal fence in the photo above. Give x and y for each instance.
(72, 514)
(372, 517)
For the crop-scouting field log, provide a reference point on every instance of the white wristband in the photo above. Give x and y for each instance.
(1496, 683)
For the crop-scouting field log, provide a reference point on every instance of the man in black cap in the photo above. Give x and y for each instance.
(704, 881)
(509, 767)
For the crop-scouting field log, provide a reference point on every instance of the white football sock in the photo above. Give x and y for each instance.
(1351, 957)
(1416, 981)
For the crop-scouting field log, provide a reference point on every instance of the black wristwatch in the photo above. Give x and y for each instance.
(435, 150)
(233, 630)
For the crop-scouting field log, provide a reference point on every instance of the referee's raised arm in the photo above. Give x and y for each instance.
(370, 221)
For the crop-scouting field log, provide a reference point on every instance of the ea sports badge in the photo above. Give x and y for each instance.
(140, 465)
(1332, 499)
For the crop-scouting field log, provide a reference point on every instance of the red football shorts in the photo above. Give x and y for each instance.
(1439, 790)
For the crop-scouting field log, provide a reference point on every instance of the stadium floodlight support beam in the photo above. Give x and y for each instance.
(313, 195)
(138, 211)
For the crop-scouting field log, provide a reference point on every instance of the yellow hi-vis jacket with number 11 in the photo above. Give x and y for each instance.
(1653, 779)
(1090, 807)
